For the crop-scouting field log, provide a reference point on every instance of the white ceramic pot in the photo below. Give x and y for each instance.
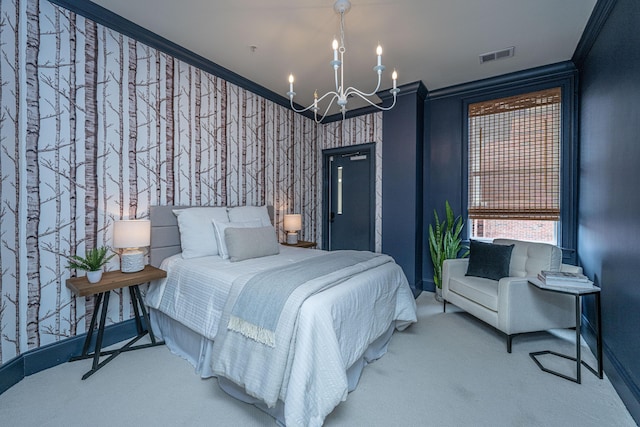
(94, 276)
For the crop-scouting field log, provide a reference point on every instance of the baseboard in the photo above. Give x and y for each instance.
(417, 288)
(48, 356)
(626, 388)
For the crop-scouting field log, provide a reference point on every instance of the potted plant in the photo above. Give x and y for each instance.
(92, 262)
(445, 243)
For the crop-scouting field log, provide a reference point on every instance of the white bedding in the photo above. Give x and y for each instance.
(335, 327)
(196, 289)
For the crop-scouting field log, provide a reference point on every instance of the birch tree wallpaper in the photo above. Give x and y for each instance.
(97, 127)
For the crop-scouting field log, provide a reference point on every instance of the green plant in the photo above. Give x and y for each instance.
(93, 260)
(445, 241)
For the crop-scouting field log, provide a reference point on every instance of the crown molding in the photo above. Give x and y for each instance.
(128, 28)
(598, 18)
(529, 76)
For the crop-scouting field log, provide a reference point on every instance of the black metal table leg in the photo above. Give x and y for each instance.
(578, 358)
(134, 303)
(578, 346)
(139, 308)
(112, 281)
(87, 341)
(599, 336)
(146, 316)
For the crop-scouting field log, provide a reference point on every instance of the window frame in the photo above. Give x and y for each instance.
(567, 233)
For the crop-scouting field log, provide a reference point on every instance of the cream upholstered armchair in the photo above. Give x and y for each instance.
(511, 304)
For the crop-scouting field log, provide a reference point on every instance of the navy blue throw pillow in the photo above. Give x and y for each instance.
(489, 260)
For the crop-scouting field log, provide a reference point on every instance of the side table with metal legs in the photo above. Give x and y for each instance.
(578, 293)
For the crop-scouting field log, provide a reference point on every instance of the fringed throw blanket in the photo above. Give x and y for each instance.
(257, 329)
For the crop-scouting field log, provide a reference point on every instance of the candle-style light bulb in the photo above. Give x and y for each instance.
(379, 53)
(394, 76)
(334, 46)
(290, 82)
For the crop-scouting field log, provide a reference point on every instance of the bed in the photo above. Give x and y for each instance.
(340, 326)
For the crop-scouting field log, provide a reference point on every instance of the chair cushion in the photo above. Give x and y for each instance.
(479, 290)
(529, 258)
(488, 260)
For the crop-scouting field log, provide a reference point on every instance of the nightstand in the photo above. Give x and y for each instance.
(112, 280)
(301, 244)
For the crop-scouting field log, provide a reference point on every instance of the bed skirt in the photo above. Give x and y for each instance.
(197, 350)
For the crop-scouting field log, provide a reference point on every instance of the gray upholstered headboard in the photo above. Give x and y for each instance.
(165, 236)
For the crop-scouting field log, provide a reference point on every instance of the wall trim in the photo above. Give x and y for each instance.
(598, 18)
(416, 87)
(128, 28)
(507, 81)
(48, 356)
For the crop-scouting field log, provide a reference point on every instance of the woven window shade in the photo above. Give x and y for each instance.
(514, 157)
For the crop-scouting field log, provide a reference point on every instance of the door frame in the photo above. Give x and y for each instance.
(367, 148)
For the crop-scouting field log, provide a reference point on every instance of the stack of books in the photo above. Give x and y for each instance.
(562, 278)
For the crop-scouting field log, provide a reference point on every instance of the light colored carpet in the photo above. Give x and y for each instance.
(449, 369)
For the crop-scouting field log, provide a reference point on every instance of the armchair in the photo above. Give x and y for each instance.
(510, 304)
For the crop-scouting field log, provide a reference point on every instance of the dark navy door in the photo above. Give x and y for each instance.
(351, 190)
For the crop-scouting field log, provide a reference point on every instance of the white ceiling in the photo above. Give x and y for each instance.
(435, 41)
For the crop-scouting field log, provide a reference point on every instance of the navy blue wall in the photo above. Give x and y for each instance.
(442, 169)
(445, 167)
(402, 166)
(609, 206)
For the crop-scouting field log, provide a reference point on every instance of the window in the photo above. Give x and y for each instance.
(514, 167)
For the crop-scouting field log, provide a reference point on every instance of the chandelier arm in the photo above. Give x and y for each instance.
(335, 94)
(301, 110)
(379, 107)
(352, 89)
(326, 111)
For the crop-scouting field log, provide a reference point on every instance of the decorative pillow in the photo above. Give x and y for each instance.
(197, 236)
(489, 260)
(250, 213)
(246, 243)
(221, 226)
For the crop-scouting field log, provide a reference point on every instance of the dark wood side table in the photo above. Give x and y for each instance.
(301, 244)
(578, 293)
(110, 281)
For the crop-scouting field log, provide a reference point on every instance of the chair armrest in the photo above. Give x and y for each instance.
(524, 308)
(452, 268)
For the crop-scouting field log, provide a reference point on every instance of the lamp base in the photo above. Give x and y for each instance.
(131, 261)
(292, 238)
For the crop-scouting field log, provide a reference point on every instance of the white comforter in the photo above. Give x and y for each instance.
(335, 327)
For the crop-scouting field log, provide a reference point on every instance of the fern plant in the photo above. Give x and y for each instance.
(93, 260)
(445, 241)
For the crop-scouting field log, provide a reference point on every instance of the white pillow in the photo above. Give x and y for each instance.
(220, 226)
(197, 235)
(250, 213)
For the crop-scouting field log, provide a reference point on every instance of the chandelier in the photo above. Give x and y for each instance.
(341, 95)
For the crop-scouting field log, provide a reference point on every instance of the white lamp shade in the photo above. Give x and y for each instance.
(293, 222)
(132, 233)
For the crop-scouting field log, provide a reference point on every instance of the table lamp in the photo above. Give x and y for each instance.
(131, 235)
(292, 224)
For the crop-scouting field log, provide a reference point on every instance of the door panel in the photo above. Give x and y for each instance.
(350, 212)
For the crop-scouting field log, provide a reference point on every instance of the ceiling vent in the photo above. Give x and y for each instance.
(498, 54)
